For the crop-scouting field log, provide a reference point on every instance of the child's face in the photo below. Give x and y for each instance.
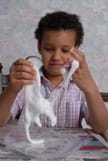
(55, 50)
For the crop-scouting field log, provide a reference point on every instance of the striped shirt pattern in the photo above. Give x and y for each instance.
(69, 105)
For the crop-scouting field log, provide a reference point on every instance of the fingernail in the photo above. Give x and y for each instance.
(71, 49)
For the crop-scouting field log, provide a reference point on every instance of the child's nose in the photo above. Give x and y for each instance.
(56, 55)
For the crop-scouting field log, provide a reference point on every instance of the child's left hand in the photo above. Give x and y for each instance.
(82, 77)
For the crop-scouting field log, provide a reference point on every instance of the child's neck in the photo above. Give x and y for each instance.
(54, 79)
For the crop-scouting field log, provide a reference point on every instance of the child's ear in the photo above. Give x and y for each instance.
(39, 47)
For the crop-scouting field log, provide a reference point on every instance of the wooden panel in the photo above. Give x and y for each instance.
(104, 96)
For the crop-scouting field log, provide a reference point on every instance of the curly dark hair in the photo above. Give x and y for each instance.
(60, 20)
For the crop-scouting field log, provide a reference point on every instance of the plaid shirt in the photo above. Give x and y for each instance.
(69, 105)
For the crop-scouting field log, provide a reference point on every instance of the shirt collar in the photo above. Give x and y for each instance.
(47, 81)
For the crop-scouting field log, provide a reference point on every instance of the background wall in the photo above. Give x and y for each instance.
(19, 18)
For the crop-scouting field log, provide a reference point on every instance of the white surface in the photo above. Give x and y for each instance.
(60, 145)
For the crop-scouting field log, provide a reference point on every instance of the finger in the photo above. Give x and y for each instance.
(23, 62)
(68, 61)
(77, 55)
(22, 75)
(23, 82)
(24, 68)
(76, 77)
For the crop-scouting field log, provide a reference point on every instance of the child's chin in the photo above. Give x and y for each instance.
(55, 72)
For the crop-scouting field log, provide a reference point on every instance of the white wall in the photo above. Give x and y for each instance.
(18, 19)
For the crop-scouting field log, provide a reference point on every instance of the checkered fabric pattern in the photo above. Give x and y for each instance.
(69, 105)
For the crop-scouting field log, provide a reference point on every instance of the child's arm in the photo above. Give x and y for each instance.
(21, 73)
(98, 113)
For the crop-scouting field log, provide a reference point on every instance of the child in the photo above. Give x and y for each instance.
(57, 33)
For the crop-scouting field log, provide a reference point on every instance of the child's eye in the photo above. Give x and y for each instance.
(49, 49)
(65, 50)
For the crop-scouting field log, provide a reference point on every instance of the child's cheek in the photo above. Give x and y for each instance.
(68, 60)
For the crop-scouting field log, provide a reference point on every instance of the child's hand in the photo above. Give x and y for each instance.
(82, 77)
(21, 73)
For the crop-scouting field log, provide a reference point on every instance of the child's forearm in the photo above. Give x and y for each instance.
(6, 100)
(98, 112)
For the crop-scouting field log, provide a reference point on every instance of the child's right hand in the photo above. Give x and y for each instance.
(21, 73)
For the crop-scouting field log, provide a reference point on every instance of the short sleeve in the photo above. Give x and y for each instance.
(18, 105)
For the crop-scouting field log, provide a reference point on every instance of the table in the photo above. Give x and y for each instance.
(60, 145)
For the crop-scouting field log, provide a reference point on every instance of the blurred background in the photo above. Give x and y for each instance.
(19, 18)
